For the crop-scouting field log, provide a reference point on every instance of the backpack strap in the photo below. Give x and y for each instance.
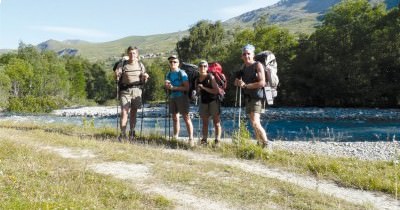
(141, 67)
(180, 75)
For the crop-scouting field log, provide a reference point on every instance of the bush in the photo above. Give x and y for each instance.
(31, 104)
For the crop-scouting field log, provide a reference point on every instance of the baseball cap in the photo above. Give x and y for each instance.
(172, 57)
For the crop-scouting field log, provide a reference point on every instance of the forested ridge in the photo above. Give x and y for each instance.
(351, 60)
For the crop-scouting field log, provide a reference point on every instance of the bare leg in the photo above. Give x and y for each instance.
(189, 125)
(204, 130)
(175, 119)
(261, 135)
(217, 127)
(132, 120)
(124, 119)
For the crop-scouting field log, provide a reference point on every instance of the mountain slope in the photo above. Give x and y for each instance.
(159, 43)
(295, 15)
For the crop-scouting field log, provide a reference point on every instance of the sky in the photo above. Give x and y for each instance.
(36, 21)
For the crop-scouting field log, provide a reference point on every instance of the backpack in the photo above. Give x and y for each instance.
(125, 80)
(268, 60)
(192, 73)
(216, 70)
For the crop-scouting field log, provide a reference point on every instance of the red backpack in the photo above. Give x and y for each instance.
(216, 70)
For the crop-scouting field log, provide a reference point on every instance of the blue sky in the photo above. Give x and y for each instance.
(35, 21)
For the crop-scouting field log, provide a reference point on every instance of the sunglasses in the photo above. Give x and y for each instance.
(173, 62)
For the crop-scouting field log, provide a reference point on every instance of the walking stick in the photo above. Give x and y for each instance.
(116, 82)
(166, 115)
(169, 121)
(234, 115)
(198, 125)
(240, 110)
(240, 104)
(141, 123)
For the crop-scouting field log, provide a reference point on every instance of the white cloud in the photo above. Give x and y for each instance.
(80, 32)
(233, 11)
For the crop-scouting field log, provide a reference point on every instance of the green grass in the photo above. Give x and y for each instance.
(40, 180)
(380, 176)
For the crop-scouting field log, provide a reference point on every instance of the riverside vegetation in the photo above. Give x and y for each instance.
(33, 177)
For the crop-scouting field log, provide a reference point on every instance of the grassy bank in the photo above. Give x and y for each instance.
(203, 178)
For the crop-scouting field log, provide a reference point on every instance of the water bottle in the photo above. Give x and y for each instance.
(268, 95)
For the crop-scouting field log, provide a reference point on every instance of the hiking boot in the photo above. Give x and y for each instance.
(132, 135)
(191, 143)
(216, 143)
(121, 137)
(265, 144)
(203, 142)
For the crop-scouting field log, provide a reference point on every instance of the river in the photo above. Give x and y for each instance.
(326, 124)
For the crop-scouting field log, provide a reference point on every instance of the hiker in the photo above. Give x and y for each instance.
(177, 84)
(131, 75)
(209, 104)
(250, 79)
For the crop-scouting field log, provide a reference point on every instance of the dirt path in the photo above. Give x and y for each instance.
(140, 174)
(134, 172)
(378, 200)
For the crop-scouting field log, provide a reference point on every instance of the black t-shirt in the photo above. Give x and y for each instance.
(206, 97)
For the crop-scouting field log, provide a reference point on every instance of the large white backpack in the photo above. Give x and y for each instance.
(267, 58)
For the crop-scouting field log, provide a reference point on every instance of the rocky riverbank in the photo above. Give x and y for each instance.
(377, 150)
(381, 150)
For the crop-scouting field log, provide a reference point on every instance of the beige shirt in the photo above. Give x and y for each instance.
(131, 73)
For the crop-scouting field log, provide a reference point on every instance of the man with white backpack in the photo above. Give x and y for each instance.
(251, 79)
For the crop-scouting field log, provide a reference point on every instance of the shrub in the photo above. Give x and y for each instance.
(31, 104)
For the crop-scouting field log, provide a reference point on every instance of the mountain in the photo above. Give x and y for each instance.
(148, 45)
(295, 15)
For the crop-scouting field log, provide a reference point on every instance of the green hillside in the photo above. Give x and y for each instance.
(298, 16)
(159, 43)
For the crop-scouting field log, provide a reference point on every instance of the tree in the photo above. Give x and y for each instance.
(75, 67)
(5, 88)
(98, 85)
(203, 42)
(20, 74)
(154, 89)
(339, 58)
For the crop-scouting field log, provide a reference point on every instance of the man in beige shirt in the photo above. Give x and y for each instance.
(131, 75)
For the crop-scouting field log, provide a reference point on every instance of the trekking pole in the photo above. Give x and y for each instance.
(198, 130)
(234, 115)
(240, 104)
(169, 121)
(141, 123)
(166, 115)
(116, 82)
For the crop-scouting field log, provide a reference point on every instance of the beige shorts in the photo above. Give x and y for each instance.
(210, 109)
(253, 105)
(179, 105)
(131, 97)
